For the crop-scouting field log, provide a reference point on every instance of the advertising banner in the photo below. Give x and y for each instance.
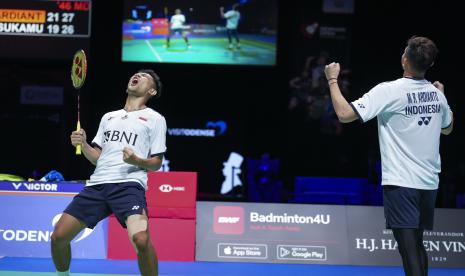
(27, 221)
(371, 244)
(278, 233)
(37, 187)
(320, 234)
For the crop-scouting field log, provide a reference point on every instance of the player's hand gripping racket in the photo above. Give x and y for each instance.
(78, 76)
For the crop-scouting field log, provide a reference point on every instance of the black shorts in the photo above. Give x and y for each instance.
(97, 202)
(408, 207)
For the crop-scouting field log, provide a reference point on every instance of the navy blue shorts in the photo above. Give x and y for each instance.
(97, 202)
(408, 207)
(177, 30)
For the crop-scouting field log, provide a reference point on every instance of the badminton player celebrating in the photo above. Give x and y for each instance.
(129, 142)
(412, 113)
(232, 21)
(177, 27)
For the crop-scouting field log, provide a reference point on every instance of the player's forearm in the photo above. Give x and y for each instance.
(151, 164)
(448, 130)
(343, 110)
(92, 154)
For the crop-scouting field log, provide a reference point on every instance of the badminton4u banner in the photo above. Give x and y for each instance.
(316, 234)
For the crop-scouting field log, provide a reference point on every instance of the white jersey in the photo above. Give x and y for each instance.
(143, 131)
(177, 21)
(410, 114)
(232, 19)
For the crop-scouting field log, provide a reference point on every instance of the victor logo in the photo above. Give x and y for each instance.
(35, 186)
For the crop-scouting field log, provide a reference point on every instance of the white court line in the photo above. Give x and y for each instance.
(153, 50)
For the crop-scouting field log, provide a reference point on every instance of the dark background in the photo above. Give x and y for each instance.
(256, 97)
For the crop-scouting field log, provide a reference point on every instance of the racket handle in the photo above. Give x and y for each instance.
(78, 147)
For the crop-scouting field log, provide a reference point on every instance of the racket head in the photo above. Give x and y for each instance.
(79, 69)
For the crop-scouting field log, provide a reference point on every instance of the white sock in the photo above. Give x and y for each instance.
(63, 273)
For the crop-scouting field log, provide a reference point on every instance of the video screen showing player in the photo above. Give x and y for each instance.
(199, 31)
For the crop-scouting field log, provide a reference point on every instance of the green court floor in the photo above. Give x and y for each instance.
(202, 50)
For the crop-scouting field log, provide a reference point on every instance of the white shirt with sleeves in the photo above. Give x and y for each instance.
(411, 114)
(177, 21)
(143, 131)
(232, 19)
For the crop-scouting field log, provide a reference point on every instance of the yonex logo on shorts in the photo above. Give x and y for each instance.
(135, 207)
(228, 220)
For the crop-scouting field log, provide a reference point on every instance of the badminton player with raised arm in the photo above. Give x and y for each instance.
(128, 143)
(412, 113)
(232, 22)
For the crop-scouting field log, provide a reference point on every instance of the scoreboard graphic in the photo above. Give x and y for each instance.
(45, 18)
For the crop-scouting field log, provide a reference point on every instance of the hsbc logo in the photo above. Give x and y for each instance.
(167, 188)
(228, 220)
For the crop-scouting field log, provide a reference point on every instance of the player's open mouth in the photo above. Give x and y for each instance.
(134, 81)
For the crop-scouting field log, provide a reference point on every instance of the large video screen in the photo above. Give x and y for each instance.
(200, 31)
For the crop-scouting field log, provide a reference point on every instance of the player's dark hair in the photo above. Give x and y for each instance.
(421, 53)
(156, 79)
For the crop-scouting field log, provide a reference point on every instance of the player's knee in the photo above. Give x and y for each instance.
(141, 240)
(59, 237)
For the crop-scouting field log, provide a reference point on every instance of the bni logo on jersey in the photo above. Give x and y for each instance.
(228, 220)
